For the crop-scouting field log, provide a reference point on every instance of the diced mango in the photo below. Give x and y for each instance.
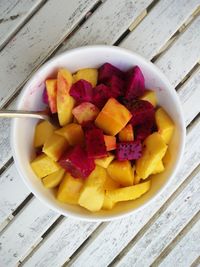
(110, 184)
(113, 117)
(55, 146)
(53, 179)
(65, 102)
(137, 179)
(104, 162)
(42, 165)
(73, 133)
(69, 189)
(85, 112)
(108, 204)
(43, 131)
(88, 74)
(128, 193)
(159, 168)
(126, 134)
(152, 153)
(51, 86)
(110, 142)
(92, 194)
(165, 125)
(121, 172)
(150, 96)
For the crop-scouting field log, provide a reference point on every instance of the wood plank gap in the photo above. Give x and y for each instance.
(193, 122)
(50, 229)
(34, 11)
(6, 165)
(23, 204)
(176, 240)
(154, 218)
(196, 263)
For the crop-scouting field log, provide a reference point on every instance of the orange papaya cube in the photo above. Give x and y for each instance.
(65, 102)
(110, 142)
(51, 86)
(126, 134)
(113, 117)
(73, 132)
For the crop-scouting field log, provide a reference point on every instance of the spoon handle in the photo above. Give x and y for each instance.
(23, 114)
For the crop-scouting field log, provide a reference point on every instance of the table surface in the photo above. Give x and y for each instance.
(167, 232)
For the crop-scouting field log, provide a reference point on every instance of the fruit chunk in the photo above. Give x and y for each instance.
(152, 153)
(85, 112)
(143, 130)
(65, 102)
(101, 94)
(73, 133)
(137, 179)
(128, 193)
(159, 168)
(76, 162)
(55, 146)
(104, 162)
(165, 125)
(116, 86)
(110, 184)
(69, 189)
(107, 70)
(126, 134)
(42, 165)
(53, 179)
(88, 74)
(121, 172)
(43, 131)
(92, 194)
(110, 142)
(113, 117)
(135, 84)
(95, 143)
(129, 150)
(45, 97)
(82, 91)
(150, 96)
(51, 86)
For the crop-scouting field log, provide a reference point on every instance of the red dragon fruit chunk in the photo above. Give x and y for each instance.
(107, 70)
(143, 130)
(101, 94)
(45, 97)
(116, 86)
(131, 150)
(82, 91)
(135, 84)
(77, 163)
(95, 143)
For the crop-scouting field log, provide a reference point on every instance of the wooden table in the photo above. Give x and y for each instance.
(166, 233)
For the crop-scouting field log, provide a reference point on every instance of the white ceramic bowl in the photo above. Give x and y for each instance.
(31, 99)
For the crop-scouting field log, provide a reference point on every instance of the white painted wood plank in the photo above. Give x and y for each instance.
(37, 40)
(60, 245)
(166, 228)
(24, 231)
(186, 251)
(13, 13)
(117, 234)
(183, 55)
(107, 24)
(10, 198)
(158, 26)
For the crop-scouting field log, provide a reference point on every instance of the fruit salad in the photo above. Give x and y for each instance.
(111, 139)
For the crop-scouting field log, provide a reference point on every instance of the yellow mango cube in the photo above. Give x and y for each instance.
(69, 189)
(137, 179)
(159, 167)
(113, 117)
(89, 74)
(55, 146)
(104, 162)
(51, 86)
(43, 131)
(73, 133)
(121, 172)
(53, 179)
(108, 204)
(65, 102)
(128, 193)
(92, 194)
(126, 134)
(152, 153)
(42, 165)
(150, 96)
(165, 125)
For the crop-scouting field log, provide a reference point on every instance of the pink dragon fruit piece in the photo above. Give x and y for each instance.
(116, 86)
(82, 91)
(107, 70)
(45, 97)
(131, 150)
(77, 163)
(143, 130)
(95, 144)
(135, 84)
(89, 125)
(101, 93)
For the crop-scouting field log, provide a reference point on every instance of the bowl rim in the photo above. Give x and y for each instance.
(92, 217)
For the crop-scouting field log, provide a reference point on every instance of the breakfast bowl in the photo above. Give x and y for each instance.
(31, 99)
